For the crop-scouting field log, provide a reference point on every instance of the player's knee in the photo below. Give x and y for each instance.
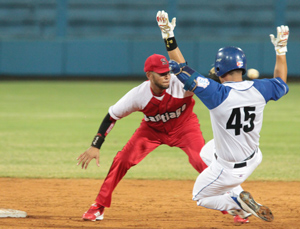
(198, 164)
(123, 161)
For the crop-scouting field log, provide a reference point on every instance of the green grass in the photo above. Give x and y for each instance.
(45, 125)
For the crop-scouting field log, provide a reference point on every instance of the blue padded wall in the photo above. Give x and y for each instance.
(113, 38)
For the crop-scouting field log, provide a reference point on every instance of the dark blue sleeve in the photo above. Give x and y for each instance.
(271, 89)
(213, 95)
(210, 92)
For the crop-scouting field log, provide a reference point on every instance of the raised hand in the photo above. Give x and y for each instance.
(166, 27)
(280, 42)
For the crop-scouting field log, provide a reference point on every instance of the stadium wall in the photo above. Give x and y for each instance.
(119, 57)
(113, 38)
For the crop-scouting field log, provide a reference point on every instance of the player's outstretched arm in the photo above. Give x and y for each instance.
(94, 150)
(185, 74)
(167, 32)
(280, 44)
(85, 158)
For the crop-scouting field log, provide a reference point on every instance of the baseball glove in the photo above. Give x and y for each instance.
(213, 76)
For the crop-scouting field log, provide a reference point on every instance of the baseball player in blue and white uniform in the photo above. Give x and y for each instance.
(236, 110)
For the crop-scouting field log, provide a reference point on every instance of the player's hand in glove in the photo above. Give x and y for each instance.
(280, 42)
(174, 67)
(165, 26)
(185, 74)
(85, 158)
(213, 76)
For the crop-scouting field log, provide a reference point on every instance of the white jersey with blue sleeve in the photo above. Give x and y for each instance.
(236, 111)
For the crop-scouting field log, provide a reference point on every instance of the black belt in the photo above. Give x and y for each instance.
(242, 164)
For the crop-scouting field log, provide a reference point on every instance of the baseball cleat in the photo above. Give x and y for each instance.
(96, 212)
(238, 219)
(240, 216)
(248, 204)
(241, 213)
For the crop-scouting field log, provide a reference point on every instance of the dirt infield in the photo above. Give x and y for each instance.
(59, 203)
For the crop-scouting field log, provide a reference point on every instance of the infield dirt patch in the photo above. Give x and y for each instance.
(60, 203)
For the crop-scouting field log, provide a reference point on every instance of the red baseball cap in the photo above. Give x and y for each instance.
(156, 63)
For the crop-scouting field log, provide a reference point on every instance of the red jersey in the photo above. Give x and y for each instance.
(162, 113)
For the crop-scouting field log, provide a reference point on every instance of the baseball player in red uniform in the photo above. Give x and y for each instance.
(168, 115)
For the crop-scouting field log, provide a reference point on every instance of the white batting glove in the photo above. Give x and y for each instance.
(280, 42)
(165, 26)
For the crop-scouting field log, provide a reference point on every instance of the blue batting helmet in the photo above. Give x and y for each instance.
(228, 59)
